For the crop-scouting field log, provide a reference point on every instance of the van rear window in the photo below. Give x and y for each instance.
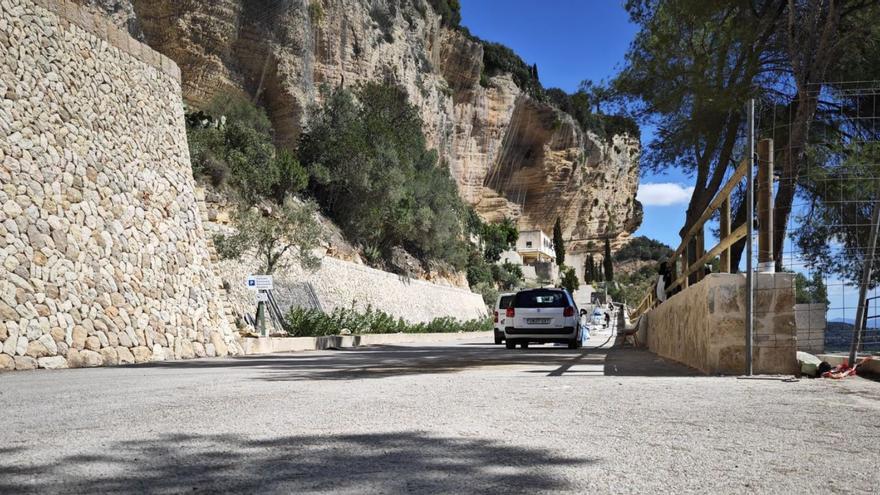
(505, 302)
(541, 299)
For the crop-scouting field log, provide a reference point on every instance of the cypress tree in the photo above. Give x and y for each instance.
(609, 267)
(589, 270)
(558, 243)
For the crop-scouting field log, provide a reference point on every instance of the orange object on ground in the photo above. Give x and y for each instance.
(843, 370)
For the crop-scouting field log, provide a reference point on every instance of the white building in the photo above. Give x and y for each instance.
(536, 254)
(535, 246)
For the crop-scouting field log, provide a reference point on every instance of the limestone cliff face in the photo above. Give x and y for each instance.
(510, 154)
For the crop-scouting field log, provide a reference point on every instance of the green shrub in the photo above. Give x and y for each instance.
(478, 270)
(498, 237)
(316, 12)
(291, 176)
(580, 105)
(372, 173)
(507, 275)
(488, 291)
(302, 322)
(449, 10)
(500, 59)
(569, 279)
(231, 143)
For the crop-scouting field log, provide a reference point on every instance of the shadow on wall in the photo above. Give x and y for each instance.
(402, 462)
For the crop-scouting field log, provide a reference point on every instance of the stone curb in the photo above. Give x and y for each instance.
(102, 28)
(272, 345)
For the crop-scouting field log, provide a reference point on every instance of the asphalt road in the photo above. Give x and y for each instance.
(459, 418)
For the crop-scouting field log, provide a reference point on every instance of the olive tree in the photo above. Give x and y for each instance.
(276, 236)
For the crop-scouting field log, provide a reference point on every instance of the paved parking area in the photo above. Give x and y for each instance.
(468, 417)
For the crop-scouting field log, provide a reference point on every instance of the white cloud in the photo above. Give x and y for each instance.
(664, 194)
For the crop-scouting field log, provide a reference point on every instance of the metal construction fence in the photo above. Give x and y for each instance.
(827, 241)
(809, 180)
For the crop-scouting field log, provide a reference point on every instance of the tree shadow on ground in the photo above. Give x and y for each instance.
(402, 462)
(622, 361)
(388, 361)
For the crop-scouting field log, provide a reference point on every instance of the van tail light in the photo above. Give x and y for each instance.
(569, 311)
(511, 312)
(496, 317)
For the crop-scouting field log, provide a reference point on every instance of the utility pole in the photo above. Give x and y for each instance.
(750, 237)
(861, 312)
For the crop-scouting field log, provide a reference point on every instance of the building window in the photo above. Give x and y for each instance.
(528, 244)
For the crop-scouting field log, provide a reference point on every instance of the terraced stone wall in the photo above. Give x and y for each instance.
(103, 258)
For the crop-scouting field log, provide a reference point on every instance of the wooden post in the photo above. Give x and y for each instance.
(684, 265)
(724, 233)
(765, 204)
(692, 257)
(700, 248)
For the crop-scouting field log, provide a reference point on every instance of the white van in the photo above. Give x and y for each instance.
(501, 305)
(542, 316)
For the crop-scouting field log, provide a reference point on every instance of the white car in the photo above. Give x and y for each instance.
(543, 316)
(501, 305)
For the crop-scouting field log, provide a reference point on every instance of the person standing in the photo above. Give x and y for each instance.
(663, 274)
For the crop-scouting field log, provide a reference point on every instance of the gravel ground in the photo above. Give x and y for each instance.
(458, 418)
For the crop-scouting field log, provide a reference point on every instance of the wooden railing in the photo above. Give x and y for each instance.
(688, 261)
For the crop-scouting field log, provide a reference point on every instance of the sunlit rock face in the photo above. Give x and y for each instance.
(510, 154)
(121, 12)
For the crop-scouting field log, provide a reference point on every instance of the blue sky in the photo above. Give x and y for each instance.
(572, 41)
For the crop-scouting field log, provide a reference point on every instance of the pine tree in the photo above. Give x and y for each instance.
(609, 266)
(558, 243)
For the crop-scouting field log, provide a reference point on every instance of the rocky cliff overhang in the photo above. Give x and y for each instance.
(510, 154)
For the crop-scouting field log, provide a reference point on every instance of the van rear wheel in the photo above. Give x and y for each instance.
(510, 344)
(573, 344)
(498, 337)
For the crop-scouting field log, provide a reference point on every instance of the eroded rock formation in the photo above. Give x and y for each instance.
(510, 154)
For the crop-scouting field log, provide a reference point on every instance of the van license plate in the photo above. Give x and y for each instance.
(537, 321)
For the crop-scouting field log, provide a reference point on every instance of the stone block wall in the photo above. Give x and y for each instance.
(341, 283)
(810, 321)
(102, 247)
(703, 326)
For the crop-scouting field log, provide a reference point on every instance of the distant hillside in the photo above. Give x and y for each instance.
(644, 249)
(636, 267)
(641, 253)
(838, 336)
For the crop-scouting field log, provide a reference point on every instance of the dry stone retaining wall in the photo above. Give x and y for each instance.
(102, 247)
(341, 283)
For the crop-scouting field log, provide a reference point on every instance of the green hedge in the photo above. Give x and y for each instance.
(314, 323)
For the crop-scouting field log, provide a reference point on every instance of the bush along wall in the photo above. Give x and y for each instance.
(302, 322)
